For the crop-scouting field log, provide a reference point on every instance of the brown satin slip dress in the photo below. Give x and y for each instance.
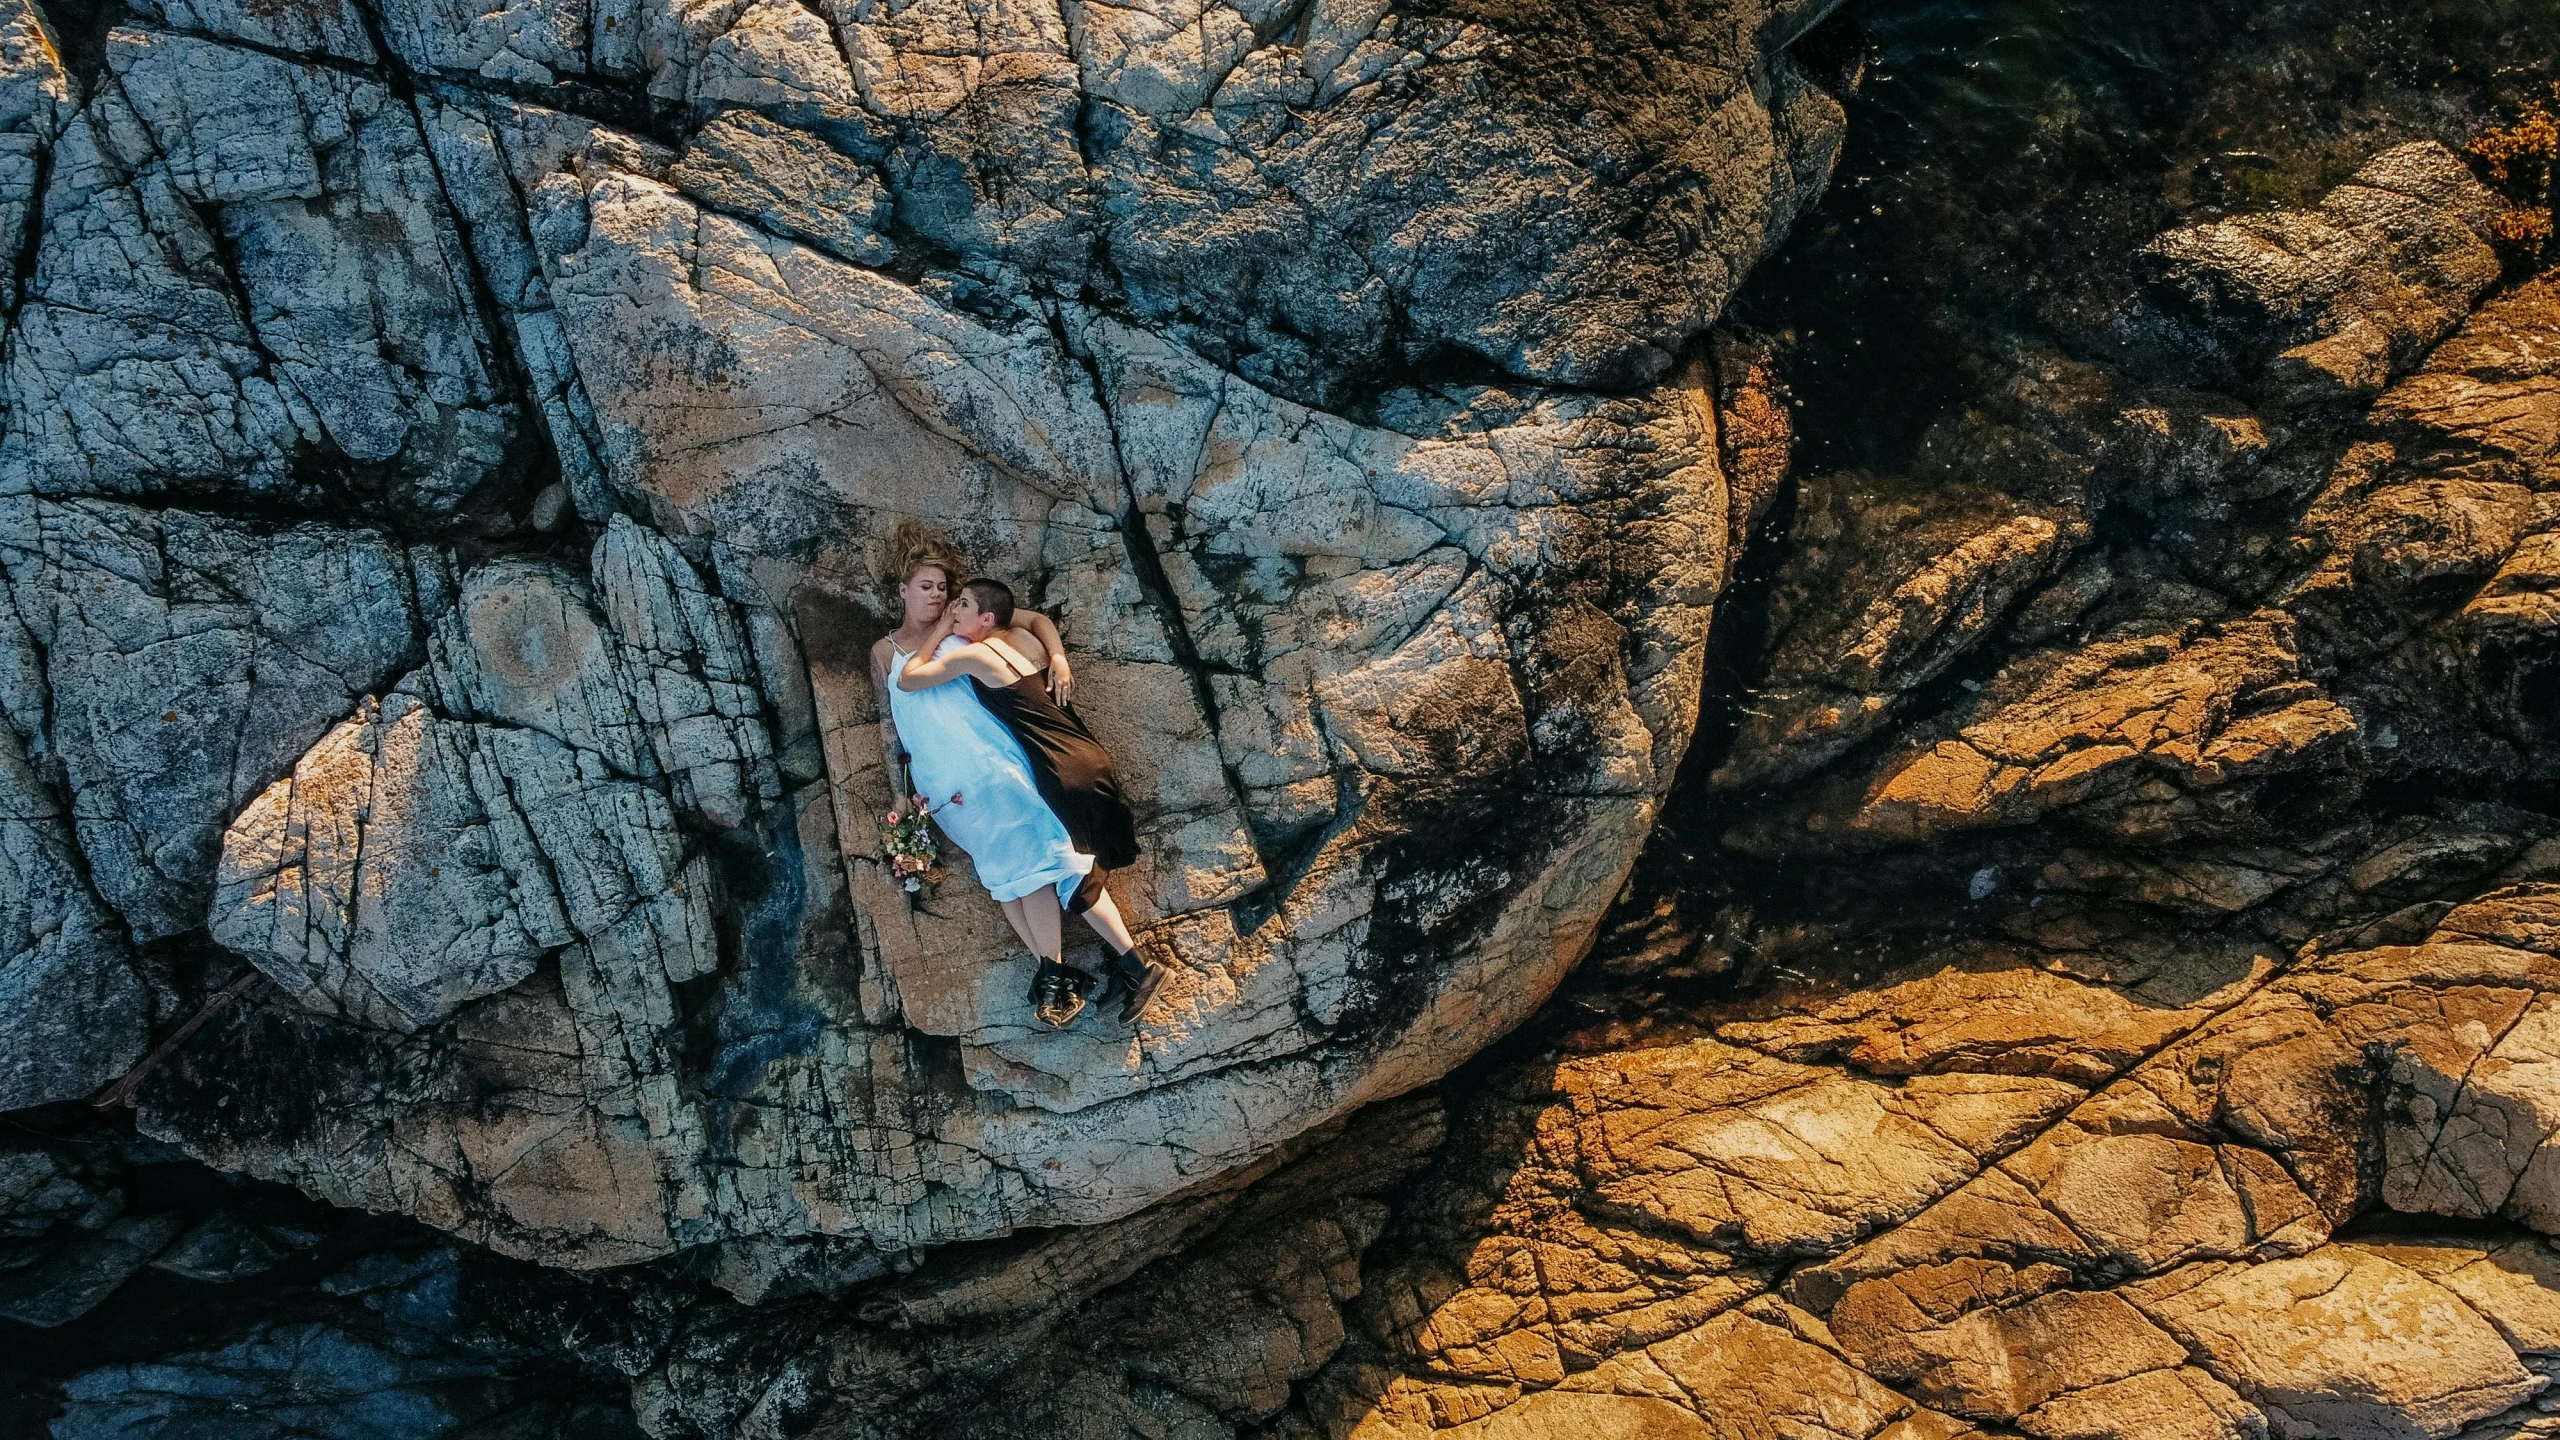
(1073, 773)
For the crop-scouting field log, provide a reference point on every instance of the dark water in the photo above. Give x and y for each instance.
(2005, 159)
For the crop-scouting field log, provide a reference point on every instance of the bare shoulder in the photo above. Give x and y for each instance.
(1027, 645)
(881, 650)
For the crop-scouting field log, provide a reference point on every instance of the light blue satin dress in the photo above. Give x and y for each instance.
(960, 748)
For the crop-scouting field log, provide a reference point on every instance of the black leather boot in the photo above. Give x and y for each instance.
(1057, 993)
(1133, 980)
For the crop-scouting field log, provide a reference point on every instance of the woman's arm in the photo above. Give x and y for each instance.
(892, 750)
(1062, 676)
(968, 660)
(926, 671)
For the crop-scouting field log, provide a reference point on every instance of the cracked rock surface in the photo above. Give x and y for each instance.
(2035, 694)
(446, 462)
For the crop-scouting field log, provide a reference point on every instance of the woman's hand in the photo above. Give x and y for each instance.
(898, 809)
(1062, 677)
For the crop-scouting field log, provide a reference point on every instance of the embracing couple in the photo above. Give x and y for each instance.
(976, 721)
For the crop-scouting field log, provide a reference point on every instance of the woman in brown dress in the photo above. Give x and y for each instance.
(1074, 774)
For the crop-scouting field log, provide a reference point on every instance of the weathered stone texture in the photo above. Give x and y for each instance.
(2163, 1137)
(248, 283)
(446, 455)
(189, 658)
(2152, 1255)
(72, 1010)
(2351, 294)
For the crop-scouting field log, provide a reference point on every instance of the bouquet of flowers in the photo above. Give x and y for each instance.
(915, 856)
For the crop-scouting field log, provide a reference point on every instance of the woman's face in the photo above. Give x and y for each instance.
(924, 593)
(967, 619)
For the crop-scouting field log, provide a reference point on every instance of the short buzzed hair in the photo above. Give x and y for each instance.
(993, 596)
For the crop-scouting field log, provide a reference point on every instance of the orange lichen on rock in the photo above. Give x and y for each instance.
(2518, 159)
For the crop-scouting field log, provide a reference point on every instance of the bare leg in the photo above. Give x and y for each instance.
(1105, 919)
(1021, 926)
(1042, 922)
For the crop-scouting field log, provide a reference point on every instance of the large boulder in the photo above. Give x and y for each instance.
(447, 460)
(2330, 304)
(1388, 775)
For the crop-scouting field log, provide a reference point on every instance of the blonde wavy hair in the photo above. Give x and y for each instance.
(911, 545)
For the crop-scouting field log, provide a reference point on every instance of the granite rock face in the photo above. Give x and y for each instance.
(446, 459)
(2202, 1229)
(2153, 933)
(2101, 982)
(2151, 1244)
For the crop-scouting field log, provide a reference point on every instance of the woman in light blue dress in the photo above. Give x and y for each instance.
(972, 771)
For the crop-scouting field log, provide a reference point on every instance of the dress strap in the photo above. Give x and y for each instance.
(1010, 659)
